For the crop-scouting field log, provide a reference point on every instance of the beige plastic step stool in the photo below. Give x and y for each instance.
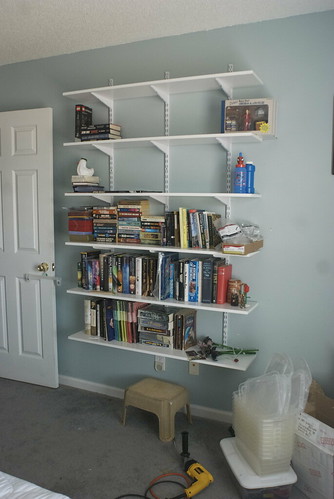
(162, 399)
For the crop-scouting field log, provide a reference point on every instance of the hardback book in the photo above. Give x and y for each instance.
(110, 320)
(87, 316)
(84, 256)
(85, 178)
(139, 260)
(93, 316)
(156, 340)
(99, 136)
(87, 188)
(207, 280)
(102, 126)
(158, 312)
(162, 289)
(184, 233)
(195, 280)
(83, 117)
(185, 329)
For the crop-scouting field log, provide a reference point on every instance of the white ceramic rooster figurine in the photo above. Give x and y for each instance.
(82, 168)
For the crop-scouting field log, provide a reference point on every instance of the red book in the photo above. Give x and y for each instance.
(224, 273)
(80, 225)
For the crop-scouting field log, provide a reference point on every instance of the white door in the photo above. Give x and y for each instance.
(28, 345)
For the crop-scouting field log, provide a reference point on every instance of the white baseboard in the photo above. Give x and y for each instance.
(196, 410)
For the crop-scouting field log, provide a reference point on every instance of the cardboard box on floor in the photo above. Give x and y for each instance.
(313, 455)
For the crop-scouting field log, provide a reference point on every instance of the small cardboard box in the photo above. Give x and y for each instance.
(313, 454)
(249, 115)
(242, 249)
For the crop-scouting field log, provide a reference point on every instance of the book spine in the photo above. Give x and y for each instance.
(193, 281)
(139, 260)
(87, 319)
(110, 321)
(93, 328)
(183, 227)
(83, 116)
(207, 280)
(186, 280)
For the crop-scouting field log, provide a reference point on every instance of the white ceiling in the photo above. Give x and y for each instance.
(33, 29)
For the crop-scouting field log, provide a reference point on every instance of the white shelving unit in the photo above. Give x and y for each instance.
(211, 307)
(226, 82)
(238, 362)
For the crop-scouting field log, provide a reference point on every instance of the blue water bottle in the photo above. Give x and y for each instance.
(239, 184)
(250, 170)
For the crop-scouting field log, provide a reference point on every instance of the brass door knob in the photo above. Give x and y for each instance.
(43, 267)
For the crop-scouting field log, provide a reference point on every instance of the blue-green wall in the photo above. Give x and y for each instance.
(293, 277)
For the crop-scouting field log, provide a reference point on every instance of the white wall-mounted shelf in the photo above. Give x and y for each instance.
(163, 88)
(155, 249)
(239, 363)
(212, 307)
(164, 142)
(163, 197)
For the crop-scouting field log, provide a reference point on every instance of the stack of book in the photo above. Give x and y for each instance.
(129, 220)
(156, 325)
(104, 131)
(86, 183)
(153, 230)
(168, 327)
(80, 224)
(105, 224)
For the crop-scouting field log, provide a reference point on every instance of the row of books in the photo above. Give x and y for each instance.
(130, 223)
(85, 129)
(135, 322)
(163, 275)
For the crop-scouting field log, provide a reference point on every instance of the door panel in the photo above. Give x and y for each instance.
(28, 347)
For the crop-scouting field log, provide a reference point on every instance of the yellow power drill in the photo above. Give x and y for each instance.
(202, 478)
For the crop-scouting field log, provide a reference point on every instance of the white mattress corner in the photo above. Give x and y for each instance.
(16, 488)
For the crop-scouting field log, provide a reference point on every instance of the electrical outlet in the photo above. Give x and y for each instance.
(159, 363)
(194, 368)
(230, 68)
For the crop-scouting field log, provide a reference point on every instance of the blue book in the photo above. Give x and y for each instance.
(126, 274)
(109, 317)
(222, 129)
(193, 289)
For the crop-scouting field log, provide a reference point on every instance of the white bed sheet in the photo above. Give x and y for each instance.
(16, 488)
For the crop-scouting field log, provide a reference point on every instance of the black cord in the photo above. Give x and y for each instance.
(131, 495)
(149, 489)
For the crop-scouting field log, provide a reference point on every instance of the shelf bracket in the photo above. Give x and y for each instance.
(107, 102)
(163, 95)
(227, 89)
(161, 145)
(222, 199)
(107, 149)
(225, 143)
